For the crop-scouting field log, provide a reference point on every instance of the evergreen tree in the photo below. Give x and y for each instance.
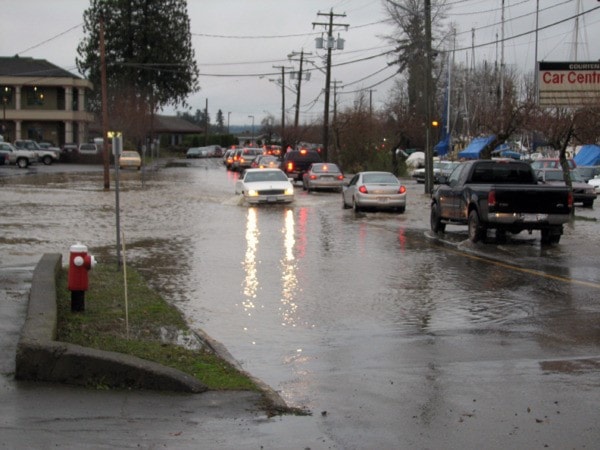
(149, 56)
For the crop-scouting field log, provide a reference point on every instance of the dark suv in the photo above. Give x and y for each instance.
(296, 162)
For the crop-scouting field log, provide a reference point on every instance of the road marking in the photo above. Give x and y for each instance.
(538, 273)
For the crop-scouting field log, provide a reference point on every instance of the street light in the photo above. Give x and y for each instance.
(252, 117)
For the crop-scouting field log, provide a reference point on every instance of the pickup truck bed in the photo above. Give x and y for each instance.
(500, 195)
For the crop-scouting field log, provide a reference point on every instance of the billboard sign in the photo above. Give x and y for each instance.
(568, 84)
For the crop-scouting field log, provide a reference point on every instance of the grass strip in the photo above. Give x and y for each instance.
(103, 326)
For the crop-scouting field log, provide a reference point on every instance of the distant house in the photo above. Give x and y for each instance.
(175, 128)
(43, 102)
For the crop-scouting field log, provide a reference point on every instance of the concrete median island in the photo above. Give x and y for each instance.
(40, 357)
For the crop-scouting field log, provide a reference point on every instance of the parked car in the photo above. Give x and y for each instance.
(550, 163)
(595, 183)
(588, 172)
(375, 190)
(243, 158)
(197, 152)
(20, 157)
(130, 158)
(88, 149)
(419, 174)
(265, 186)
(215, 151)
(4, 155)
(296, 162)
(448, 167)
(265, 162)
(323, 176)
(45, 155)
(582, 191)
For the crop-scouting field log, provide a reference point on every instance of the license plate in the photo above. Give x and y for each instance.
(271, 199)
(534, 217)
(382, 199)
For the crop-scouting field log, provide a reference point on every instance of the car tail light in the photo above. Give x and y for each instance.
(303, 151)
(313, 177)
(340, 177)
(290, 166)
(492, 198)
(363, 189)
(402, 190)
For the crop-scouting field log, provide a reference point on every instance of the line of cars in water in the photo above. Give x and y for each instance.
(265, 178)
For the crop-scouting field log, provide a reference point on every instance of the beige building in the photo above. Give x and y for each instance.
(43, 102)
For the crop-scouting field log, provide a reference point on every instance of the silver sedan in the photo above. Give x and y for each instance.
(323, 176)
(375, 190)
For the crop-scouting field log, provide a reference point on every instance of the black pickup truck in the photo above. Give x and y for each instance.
(296, 162)
(501, 195)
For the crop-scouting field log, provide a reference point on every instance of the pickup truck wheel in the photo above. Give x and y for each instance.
(47, 160)
(436, 222)
(476, 231)
(551, 236)
(22, 163)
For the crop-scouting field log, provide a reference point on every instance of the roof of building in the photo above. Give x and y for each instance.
(17, 66)
(174, 124)
(162, 124)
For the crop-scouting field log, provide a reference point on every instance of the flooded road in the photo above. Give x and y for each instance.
(391, 337)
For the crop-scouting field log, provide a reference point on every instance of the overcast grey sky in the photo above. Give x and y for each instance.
(236, 38)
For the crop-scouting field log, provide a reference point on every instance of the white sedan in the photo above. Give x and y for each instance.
(265, 186)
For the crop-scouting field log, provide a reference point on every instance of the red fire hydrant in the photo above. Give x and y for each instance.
(79, 265)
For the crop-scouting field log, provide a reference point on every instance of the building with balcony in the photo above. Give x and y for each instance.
(43, 102)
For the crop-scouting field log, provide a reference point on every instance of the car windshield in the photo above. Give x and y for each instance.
(320, 168)
(379, 178)
(265, 175)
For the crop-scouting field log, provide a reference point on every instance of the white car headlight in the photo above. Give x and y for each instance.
(252, 193)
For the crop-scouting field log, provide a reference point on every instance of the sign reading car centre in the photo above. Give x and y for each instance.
(569, 84)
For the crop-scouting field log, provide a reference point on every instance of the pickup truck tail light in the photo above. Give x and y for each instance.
(491, 199)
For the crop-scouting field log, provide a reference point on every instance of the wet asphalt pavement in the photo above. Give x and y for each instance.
(390, 337)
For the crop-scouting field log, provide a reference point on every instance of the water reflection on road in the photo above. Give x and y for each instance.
(364, 315)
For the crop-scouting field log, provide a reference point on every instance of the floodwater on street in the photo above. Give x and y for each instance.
(387, 334)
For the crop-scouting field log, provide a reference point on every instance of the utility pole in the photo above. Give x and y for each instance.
(330, 44)
(105, 153)
(206, 123)
(335, 136)
(282, 99)
(299, 84)
(428, 100)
